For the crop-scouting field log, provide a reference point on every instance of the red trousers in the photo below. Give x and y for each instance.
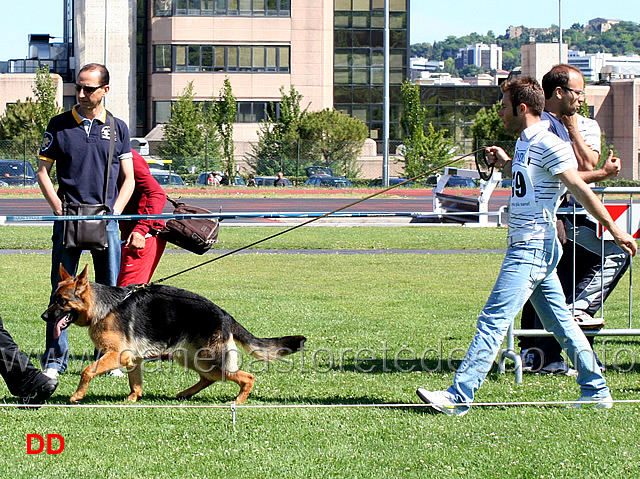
(137, 265)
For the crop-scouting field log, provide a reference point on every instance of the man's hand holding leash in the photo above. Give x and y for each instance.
(497, 157)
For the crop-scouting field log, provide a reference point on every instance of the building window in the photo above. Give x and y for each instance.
(222, 58)
(222, 8)
(248, 111)
(255, 111)
(162, 58)
(162, 8)
(161, 112)
(359, 61)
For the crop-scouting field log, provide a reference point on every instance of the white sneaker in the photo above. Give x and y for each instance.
(587, 402)
(51, 373)
(116, 373)
(442, 401)
(558, 367)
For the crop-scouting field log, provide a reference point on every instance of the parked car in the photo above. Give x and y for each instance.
(167, 178)
(454, 181)
(377, 183)
(17, 172)
(237, 181)
(318, 170)
(202, 179)
(269, 180)
(328, 181)
(461, 182)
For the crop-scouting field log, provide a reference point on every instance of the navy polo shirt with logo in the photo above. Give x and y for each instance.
(81, 158)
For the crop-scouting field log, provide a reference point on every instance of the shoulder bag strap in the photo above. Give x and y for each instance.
(112, 146)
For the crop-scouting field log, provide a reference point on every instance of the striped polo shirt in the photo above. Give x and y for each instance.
(535, 196)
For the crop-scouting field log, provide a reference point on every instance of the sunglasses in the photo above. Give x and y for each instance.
(87, 89)
(577, 92)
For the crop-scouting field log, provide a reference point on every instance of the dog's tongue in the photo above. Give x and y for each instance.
(57, 330)
(59, 326)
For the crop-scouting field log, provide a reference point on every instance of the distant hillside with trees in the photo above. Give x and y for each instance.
(623, 38)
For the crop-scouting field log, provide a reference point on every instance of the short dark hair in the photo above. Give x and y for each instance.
(104, 73)
(558, 76)
(525, 90)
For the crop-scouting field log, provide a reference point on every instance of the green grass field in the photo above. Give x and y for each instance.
(378, 327)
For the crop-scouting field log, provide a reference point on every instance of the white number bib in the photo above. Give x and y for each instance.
(522, 192)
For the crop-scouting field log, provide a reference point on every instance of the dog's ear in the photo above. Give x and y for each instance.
(63, 273)
(82, 277)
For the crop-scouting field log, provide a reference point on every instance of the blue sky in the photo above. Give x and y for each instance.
(429, 21)
(461, 17)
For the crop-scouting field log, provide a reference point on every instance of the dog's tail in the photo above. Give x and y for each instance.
(266, 349)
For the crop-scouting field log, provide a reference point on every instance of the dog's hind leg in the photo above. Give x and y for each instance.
(199, 386)
(245, 381)
(106, 363)
(208, 373)
(135, 381)
(242, 379)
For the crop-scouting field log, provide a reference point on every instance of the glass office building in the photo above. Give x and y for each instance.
(358, 75)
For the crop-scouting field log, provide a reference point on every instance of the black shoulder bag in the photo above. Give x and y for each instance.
(90, 234)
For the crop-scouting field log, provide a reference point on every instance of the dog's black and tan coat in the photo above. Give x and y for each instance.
(129, 326)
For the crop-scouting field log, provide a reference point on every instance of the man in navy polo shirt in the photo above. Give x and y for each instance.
(77, 141)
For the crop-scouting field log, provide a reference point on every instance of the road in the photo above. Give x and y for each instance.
(418, 201)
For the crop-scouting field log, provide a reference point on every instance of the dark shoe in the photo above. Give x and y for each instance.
(40, 393)
(527, 358)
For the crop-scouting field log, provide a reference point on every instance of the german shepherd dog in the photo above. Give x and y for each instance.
(129, 324)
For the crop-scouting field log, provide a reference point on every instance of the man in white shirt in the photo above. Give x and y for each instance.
(595, 275)
(543, 167)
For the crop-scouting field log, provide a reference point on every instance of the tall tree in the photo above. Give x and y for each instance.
(184, 138)
(45, 94)
(437, 149)
(488, 130)
(423, 148)
(19, 121)
(277, 148)
(488, 127)
(18, 126)
(413, 118)
(225, 112)
(331, 138)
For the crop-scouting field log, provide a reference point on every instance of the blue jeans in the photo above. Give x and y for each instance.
(106, 265)
(528, 271)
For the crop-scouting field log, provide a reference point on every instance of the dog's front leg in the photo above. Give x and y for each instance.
(106, 363)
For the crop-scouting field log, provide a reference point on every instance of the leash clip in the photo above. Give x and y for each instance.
(135, 289)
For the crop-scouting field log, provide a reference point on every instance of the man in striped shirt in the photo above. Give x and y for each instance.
(543, 167)
(596, 275)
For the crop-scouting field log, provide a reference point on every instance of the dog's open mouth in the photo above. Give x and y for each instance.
(60, 325)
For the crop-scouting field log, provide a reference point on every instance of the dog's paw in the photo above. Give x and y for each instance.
(133, 397)
(75, 399)
(182, 395)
